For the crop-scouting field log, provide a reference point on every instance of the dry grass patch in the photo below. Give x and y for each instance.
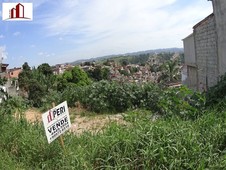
(95, 123)
(81, 120)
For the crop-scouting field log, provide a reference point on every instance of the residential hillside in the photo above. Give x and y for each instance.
(134, 54)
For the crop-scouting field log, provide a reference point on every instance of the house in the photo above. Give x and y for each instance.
(3, 68)
(205, 50)
(14, 72)
(61, 68)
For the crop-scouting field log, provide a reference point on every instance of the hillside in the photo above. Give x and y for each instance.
(149, 52)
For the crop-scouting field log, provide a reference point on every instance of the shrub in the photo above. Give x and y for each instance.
(113, 97)
(107, 96)
(182, 102)
(13, 105)
(216, 93)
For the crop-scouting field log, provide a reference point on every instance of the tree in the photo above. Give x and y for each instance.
(45, 69)
(80, 77)
(99, 73)
(76, 76)
(24, 77)
(133, 70)
(105, 74)
(36, 83)
(108, 62)
(124, 62)
(63, 80)
(26, 67)
(35, 93)
(155, 68)
(96, 73)
(68, 76)
(61, 83)
(47, 80)
(170, 72)
(3, 81)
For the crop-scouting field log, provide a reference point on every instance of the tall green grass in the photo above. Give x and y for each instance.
(166, 143)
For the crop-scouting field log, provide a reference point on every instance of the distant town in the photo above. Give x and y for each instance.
(139, 68)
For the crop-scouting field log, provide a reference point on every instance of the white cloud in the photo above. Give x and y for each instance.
(101, 16)
(16, 33)
(116, 26)
(40, 53)
(3, 53)
(46, 54)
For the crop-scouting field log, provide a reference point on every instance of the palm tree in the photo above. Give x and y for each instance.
(170, 71)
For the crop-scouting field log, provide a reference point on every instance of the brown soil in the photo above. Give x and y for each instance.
(94, 124)
(80, 123)
(33, 115)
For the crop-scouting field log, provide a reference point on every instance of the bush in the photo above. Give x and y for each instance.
(182, 102)
(171, 143)
(216, 93)
(112, 97)
(27, 145)
(13, 105)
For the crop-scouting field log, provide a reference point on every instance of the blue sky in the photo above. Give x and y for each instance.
(68, 30)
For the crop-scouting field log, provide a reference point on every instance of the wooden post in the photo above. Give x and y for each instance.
(60, 138)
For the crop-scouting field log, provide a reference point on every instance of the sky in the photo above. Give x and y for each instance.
(68, 30)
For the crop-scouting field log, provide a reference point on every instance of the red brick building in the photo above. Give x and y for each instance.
(14, 73)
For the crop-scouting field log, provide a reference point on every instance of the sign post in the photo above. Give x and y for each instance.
(56, 121)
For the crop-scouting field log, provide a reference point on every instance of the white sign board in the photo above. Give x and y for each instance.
(56, 121)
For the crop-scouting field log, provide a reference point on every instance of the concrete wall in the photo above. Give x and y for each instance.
(192, 77)
(205, 37)
(189, 50)
(219, 7)
(190, 69)
(210, 48)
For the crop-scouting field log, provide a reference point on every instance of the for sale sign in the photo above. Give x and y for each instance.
(56, 121)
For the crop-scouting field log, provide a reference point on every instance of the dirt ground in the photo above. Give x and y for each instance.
(93, 123)
(33, 115)
(80, 123)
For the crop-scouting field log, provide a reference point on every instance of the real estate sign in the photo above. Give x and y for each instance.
(56, 121)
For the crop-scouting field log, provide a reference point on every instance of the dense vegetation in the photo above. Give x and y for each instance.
(170, 142)
(40, 86)
(92, 88)
(2, 81)
(163, 144)
(167, 128)
(217, 94)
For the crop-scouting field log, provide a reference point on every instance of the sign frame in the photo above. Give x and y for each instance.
(56, 121)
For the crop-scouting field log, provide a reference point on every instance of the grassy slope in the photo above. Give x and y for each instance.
(163, 144)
